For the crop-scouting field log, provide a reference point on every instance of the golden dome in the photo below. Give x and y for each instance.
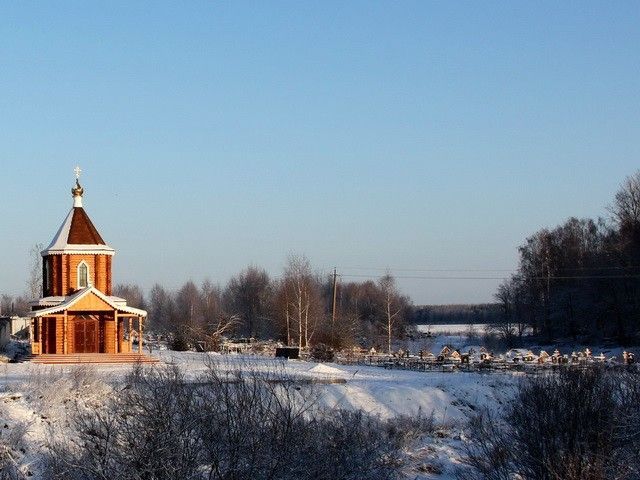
(77, 191)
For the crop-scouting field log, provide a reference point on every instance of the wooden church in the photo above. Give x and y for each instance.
(77, 313)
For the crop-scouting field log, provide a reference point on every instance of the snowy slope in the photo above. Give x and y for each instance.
(450, 397)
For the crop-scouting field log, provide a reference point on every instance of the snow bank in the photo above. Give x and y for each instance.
(323, 369)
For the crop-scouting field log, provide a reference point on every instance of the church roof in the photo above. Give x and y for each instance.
(60, 304)
(77, 234)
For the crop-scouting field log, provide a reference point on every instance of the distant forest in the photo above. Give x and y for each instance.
(579, 280)
(457, 314)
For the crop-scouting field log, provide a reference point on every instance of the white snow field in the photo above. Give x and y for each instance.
(373, 389)
(33, 398)
(451, 328)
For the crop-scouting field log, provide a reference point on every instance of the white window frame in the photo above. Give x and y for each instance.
(86, 265)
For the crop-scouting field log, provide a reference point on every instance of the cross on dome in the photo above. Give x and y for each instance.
(77, 191)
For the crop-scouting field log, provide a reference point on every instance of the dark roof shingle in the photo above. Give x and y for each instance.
(82, 231)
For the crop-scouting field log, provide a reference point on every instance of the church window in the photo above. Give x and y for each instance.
(83, 275)
(45, 277)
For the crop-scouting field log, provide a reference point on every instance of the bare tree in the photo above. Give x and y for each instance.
(247, 296)
(188, 305)
(210, 333)
(282, 307)
(391, 304)
(10, 305)
(626, 207)
(34, 282)
(132, 293)
(211, 297)
(303, 296)
(161, 309)
(507, 329)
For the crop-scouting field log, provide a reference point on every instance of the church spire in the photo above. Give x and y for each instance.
(77, 191)
(77, 235)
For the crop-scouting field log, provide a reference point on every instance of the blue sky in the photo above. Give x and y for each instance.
(366, 135)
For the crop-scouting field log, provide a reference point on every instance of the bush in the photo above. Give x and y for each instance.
(179, 342)
(322, 353)
(567, 425)
(12, 447)
(223, 425)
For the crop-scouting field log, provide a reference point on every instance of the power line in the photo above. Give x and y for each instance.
(436, 270)
(389, 269)
(478, 270)
(572, 277)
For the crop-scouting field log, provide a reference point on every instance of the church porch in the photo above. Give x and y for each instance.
(85, 332)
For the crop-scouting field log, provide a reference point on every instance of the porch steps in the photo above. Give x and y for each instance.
(110, 358)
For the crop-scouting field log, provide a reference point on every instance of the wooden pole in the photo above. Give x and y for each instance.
(40, 332)
(333, 306)
(140, 335)
(130, 337)
(65, 334)
(45, 327)
(115, 331)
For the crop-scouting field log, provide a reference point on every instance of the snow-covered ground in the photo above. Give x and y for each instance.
(375, 390)
(457, 337)
(451, 328)
(33, 397)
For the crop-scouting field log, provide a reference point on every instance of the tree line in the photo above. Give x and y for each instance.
(295, 308)
(580, 279)
(457, 314)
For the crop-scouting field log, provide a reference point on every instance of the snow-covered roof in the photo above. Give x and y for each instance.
(47, 301)
(77, 234)
(116, 303)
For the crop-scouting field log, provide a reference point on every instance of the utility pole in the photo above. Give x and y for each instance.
(333, 307)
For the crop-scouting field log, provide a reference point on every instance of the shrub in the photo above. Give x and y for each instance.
(564, 425)
(236, 424)
(179, 342)
(10, 447)
(322, 353)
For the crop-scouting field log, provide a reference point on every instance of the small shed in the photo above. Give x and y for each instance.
(10, 326)
(288, 352)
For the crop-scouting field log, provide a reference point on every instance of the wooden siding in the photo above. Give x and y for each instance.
(59, 335)
(63, 273)
(107, 289)
(71, 342)
(90, 303)
(56, 281)
(105, 341)
(66, 284)
(109, 336)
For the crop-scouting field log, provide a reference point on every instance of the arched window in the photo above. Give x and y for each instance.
(83, 275)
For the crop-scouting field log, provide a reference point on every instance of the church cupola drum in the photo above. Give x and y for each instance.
(77, 256)
(77, 313)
